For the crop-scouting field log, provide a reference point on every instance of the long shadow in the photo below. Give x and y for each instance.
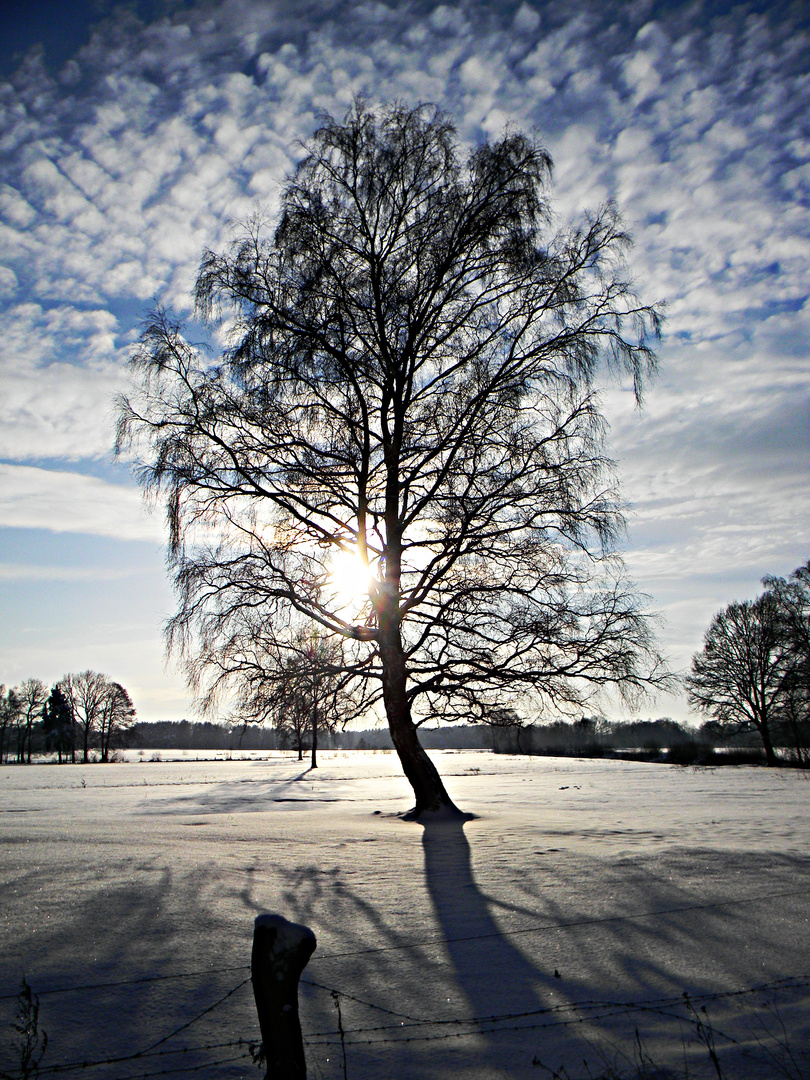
(110, 975)
(233, 797)
(494, 976)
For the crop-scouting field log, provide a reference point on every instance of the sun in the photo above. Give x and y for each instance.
(350, 579)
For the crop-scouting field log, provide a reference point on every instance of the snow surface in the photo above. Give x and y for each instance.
(577, 907)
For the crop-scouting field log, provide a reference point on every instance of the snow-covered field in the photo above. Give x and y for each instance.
(581, 903)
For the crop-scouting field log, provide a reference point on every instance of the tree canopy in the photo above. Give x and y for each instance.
(409, 382)
(754, 668)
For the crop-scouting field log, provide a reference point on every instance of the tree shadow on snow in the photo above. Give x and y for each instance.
(252, 795)
(130, 961)
(501, 986)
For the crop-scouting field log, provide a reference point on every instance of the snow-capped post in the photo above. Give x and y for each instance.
(281, 950)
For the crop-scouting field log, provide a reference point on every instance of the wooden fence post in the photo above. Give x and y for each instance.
(280, 953)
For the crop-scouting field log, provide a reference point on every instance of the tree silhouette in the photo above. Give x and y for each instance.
(409, 380)
(86, 693)
(738, 677)
(57, 721)
(116, 715)
(792, 596)
(31, 696)
(301, 685)
(9, 717)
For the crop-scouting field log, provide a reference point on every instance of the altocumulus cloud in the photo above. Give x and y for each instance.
(120, 167)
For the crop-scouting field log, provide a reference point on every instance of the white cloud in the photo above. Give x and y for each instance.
(49, 407)
(28, 572)
(34, 498)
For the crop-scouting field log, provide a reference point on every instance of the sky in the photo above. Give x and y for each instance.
(133, 135)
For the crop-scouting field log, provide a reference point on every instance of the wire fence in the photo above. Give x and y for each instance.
(163, 1057)
(176, 1054)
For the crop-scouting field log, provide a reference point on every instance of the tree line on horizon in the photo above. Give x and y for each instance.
(82, 713)
(655, 739)
(751, 679)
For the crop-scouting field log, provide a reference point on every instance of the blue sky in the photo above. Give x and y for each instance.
(131, 135)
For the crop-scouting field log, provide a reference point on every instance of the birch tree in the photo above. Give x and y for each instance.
(409, 382)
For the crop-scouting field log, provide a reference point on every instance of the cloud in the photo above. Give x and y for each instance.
(34, 498)
(53, 407)
(25, 572)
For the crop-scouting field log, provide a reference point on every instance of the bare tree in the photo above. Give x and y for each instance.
(31, 695)
(116, 715)
(792, 597)
(739, 676)
(86, 693)
(300, 684)
(409, 380)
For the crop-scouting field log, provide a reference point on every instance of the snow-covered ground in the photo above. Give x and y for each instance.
(577, 907)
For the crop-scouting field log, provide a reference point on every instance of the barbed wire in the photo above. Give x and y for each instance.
(187, 1069)
(148, 1051)
(361, 1001)
(599, 1010)
(131, 982)
(410, 1029)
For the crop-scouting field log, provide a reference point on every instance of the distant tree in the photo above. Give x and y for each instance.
(792, 597)
(739, 676)
(301, 687)
(115, 718)
(31, 695)
(101, 710)
(86, 693)
(57, 722)
(9, 713)
(410, 380)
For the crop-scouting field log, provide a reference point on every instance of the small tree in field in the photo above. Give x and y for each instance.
(409, 385)
(302, 687)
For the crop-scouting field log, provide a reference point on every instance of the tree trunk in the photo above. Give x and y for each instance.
(770, 754)
(314, 760)
(422, 775)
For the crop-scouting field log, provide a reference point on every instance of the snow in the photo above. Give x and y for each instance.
(580, 903)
